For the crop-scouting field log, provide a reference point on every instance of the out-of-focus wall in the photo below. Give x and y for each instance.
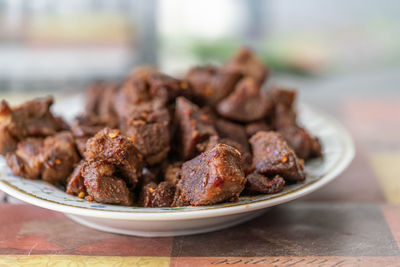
(310, 36)
(46, 44)
(55, 44)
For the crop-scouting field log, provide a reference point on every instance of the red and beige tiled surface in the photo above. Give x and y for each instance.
(354, 221)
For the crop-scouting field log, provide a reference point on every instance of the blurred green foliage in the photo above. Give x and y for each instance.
(220, 51)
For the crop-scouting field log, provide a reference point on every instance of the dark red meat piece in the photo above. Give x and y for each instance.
(248, 64)
(99, 102)
(245, 103)
(273, 156)
(194, 126)
(257, 126)
(86, 127)
(51, 159)
(167, 88)
(258, 183)
(172, 172)
(58, 157)
(210, 84)
(233, 131)
(212, 177)
(103, 185)
(31, 119)
(246, 156)
(161, 195)
(110, 146)
(148, 127)
(304, 144)
(284, 111)
(25, 161)
(76, 182)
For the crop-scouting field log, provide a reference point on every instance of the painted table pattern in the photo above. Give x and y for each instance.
(354, 221)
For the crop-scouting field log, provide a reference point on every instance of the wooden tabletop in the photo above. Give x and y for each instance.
(354, 221)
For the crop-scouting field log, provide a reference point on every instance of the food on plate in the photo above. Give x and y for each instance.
(284, 120)
(246, 103)
(157, 195)
(153, 140)
(272, 155)
(258, 183)
(249, 65)
(211, 84)
(31, 119)
(213, 176)
(112, 148)
(193, 127)
(52, 159)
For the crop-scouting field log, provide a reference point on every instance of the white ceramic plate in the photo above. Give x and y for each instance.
(338, 151)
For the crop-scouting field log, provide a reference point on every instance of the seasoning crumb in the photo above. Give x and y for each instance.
(113, 134)
(284, 159)
(81, 195)
(208, 91)
(184, 85)
(151, 190)
(89, 198)
(57, 161)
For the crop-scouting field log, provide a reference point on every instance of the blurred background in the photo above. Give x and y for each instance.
(326, 49)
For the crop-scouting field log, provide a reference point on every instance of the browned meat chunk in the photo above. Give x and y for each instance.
(99, 102)
(31, 119)
(316, 148)
(215, 140)
(143, 72)
(161, 195)
(76, 182)
(103, 185)
(58, 157)
(245, 153)
(194, 126)
(62, 125)
(212, 177)
(151, 139)
(112, 147)
(145, 85)
(148, 128)
(166, 88)
(147, 194)
(245, 103)
(247, 63)
(233, 131)
(210, 84)
(305, 145)
(51, 159)
(161, 86)
(133, 92)
(93, 96)
(25, 161)
(8, 143)
(106, 109)
(258, 183)
(257, 126)
(148, 176)
(85, 128)
(284, 112)
(272, 156)
(302, 142)
(151, 112)
(172, 172)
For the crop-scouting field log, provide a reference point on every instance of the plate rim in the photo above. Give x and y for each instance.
(345, 160)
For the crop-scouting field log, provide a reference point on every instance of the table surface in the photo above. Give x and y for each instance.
(354, 221)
